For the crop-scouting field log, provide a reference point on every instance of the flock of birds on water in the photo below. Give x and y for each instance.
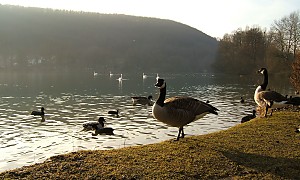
(179, 111)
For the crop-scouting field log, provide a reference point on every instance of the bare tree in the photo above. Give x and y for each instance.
(286, 34)
(295, 77)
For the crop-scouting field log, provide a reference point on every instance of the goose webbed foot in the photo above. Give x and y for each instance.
(180, 132)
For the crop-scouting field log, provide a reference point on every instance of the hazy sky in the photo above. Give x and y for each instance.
(213, 17)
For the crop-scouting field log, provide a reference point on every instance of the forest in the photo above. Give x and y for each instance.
(244, 51)
(46, 39)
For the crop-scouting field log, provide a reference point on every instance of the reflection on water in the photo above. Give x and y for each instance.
(70, 100)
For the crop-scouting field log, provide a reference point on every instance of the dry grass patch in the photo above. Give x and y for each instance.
(259, 149)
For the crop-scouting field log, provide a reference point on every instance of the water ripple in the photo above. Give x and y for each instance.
(24, 139)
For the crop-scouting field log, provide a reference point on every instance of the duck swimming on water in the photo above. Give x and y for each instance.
(142, 100)
(94, 125)
(112, 112)
(39, 113)
(98, 127)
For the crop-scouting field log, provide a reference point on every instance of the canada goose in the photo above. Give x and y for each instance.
(38, 113)
(268, 99)
(144, 76)
(179, 111)
(242, 100)
(249, 117)
(157, 77)
(94, 125)
(142, 100)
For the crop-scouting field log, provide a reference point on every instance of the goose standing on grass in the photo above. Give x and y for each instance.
(39, 113)
(268, 99)
(179, 111)
(142, 100)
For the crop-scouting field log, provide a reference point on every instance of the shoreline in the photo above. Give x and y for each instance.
(260, 148)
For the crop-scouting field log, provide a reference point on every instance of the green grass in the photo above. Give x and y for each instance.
(263, 148)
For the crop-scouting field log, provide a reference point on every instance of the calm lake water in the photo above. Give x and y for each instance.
(74, 98)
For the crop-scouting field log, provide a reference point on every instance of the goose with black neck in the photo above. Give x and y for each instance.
(178, 111)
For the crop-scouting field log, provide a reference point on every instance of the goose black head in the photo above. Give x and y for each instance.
(101, 119)
(160, 83)
(150, 97)
(262, 70)
(42, 109)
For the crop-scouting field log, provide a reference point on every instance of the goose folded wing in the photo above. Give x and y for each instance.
(272, 96)
(191, 105)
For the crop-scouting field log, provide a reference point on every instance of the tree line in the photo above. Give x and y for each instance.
(244, 51)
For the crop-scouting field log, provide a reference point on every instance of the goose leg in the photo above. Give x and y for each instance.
(180, 132)
(266, 111)
(271, 112)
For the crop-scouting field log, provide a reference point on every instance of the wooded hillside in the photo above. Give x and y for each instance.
(31, 37)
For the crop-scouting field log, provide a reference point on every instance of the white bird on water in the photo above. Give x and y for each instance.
(144, 76)
(110, 74)
(120, 78)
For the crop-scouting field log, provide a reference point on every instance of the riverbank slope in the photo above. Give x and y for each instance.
(261, 148)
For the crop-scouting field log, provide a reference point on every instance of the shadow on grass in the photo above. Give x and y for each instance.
(283, 167)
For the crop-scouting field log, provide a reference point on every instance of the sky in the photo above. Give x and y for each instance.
(213, 17)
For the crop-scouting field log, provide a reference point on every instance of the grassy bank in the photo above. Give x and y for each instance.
(259, 149)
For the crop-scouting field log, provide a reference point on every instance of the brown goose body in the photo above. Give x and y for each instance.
(179, 111)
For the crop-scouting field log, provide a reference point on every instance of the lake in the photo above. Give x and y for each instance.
(70, 99)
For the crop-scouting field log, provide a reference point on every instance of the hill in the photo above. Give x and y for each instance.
(46, 38)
